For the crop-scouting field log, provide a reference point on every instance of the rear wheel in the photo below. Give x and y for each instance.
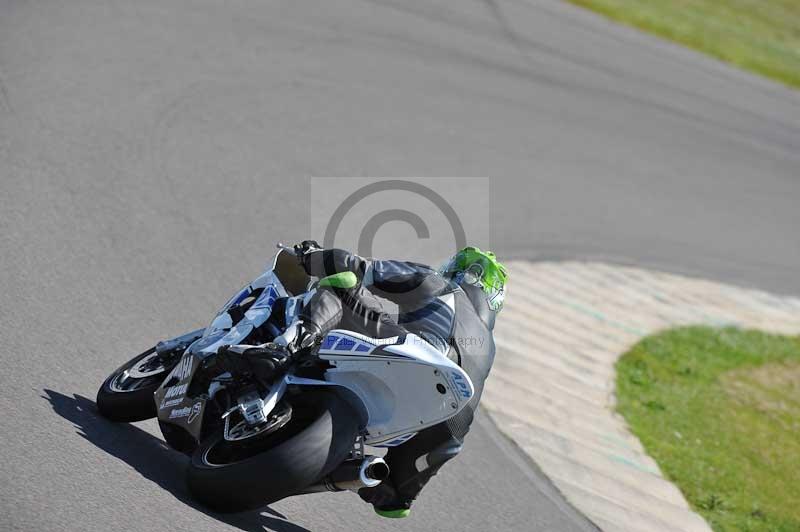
(233, 476)
(127, 394)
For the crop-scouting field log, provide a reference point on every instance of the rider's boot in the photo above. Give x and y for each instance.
(413, 464)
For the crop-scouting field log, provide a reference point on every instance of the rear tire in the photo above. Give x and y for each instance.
(137, 403)
(227, 477)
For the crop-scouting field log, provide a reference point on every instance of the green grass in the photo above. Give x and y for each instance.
(758, 35)
(719, 410)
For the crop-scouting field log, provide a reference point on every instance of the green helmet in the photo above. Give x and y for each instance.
(481, 268)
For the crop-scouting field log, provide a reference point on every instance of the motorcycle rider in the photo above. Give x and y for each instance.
(453, 309)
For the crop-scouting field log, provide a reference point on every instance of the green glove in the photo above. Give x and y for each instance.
(394, 514)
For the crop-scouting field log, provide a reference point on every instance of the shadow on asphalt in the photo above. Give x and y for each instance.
(153, 459)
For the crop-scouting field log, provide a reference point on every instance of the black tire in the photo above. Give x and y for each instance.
(318, 438)
(134, 405)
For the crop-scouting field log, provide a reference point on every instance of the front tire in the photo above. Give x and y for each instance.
(234, 477)
(127, 394)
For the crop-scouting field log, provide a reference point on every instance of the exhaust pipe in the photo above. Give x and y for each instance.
(353, 475)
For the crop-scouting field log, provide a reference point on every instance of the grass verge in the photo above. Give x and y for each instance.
(762, 36)
(719, 410)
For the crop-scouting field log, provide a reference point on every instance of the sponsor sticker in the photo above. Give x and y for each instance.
(461, 385)
(178, 413)
(167, 403)
(189, 412)
(195, 412)
(183, 369)
(176, 391)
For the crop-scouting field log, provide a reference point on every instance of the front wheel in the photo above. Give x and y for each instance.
(127, 394)
(233, 476)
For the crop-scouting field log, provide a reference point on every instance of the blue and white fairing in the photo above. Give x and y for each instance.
(258, 313)
(222, 331)
(403, 383)
(174, 405)
(399, 385)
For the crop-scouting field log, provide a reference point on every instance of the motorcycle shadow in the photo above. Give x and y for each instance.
(153, 459)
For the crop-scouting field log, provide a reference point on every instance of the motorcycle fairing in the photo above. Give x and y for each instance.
(404, 383)
(173, 403)
(399, 385)
(284, 278)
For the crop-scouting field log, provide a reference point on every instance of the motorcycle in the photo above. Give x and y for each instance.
(310, 429)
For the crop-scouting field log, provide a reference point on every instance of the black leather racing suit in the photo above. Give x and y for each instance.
(455, 319)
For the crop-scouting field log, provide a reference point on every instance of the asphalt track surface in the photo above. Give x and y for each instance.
(151, 151)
